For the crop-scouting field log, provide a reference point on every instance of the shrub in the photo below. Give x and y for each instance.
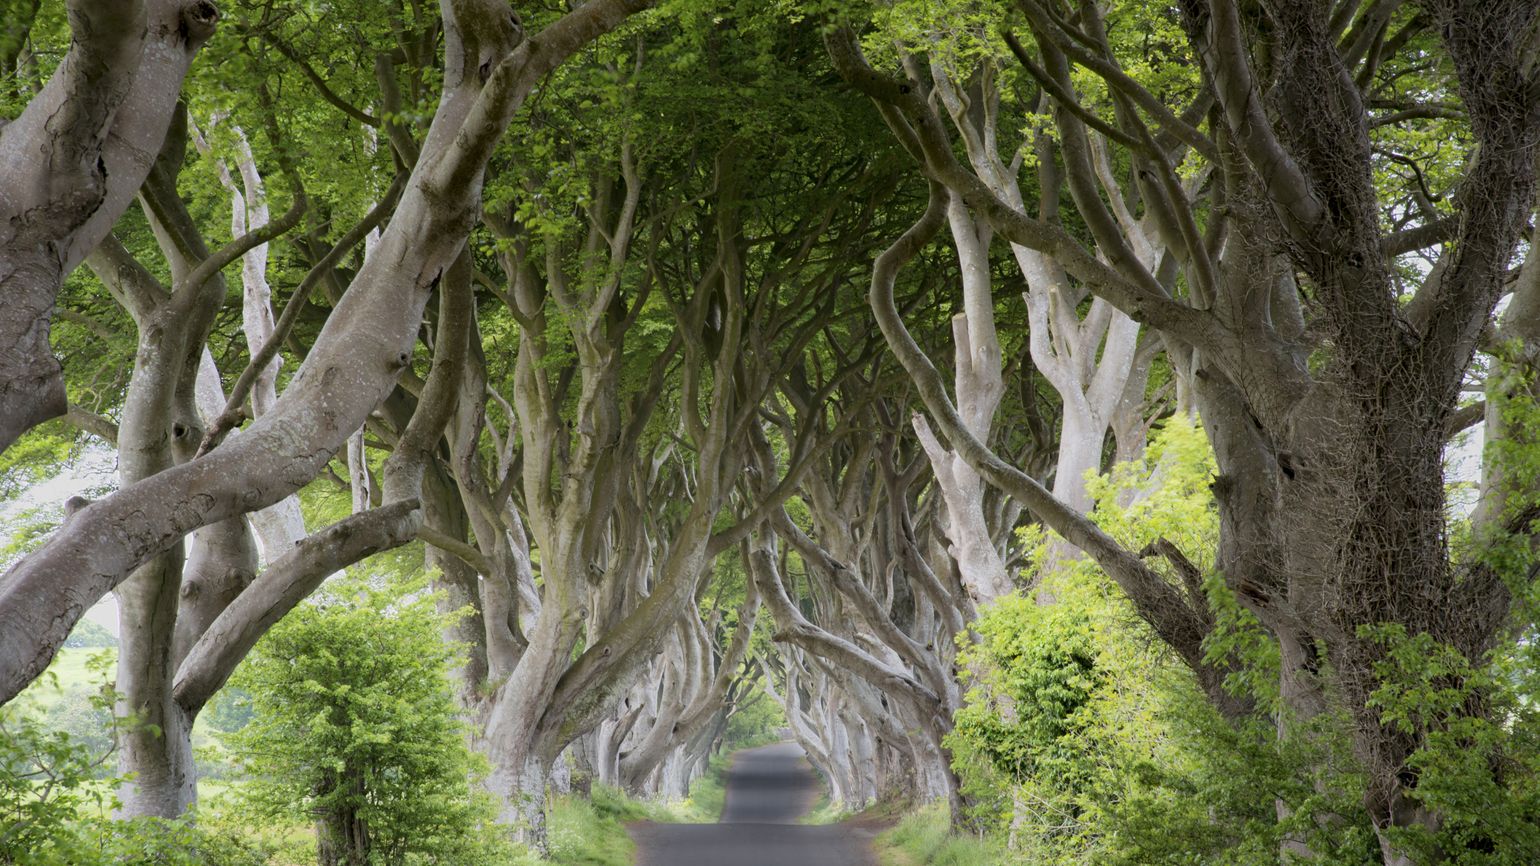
(354, 727)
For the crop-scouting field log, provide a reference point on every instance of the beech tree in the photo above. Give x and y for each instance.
(45, 593)
(719, 352)
(73, 161)
(1326, 378)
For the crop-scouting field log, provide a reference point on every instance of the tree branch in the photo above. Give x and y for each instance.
(281, 586)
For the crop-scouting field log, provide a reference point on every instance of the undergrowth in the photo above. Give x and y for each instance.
(924, 838)
(592, 832)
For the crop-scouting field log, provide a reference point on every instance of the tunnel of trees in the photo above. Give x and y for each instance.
(1110, 422)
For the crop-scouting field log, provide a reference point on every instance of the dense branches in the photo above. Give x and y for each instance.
(692, 400)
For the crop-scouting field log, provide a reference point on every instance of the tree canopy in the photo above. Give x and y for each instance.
(1051, 408)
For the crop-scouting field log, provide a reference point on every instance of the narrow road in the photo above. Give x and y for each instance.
(768, 789)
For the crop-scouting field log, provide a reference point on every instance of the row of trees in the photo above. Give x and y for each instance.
(667, 331)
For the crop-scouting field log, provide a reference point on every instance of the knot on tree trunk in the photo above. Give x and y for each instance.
(197, 22)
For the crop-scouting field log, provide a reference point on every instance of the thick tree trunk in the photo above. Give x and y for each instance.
(353, 367)
(155, 739)
(979, 390)
(342, 835)
(70, 165)
(520, 758)
(457, 582)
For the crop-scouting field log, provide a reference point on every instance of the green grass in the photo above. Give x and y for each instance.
(210, 790)
(72, 670)
(824, 810)
(924, 838)
(592, 832)
(708, 794)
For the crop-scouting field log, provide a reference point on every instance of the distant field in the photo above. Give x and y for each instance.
(208, 789)
(73, 671)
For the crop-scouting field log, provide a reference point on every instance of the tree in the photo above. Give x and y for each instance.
(268, 461)
(1328, 379)
(354, 726)
(72, 163)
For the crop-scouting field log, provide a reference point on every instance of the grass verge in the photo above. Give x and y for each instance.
(592, 832)
(924, 838)
(708, 794)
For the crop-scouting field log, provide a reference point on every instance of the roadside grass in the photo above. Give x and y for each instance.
(824, 811)
(708, 794)
(924, 838)
(592, 832)
(580, 831)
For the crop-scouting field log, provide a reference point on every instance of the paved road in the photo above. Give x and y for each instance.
(768, 789)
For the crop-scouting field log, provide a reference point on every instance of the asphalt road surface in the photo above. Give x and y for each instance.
(768, 789)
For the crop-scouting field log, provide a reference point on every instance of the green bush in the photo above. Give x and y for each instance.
(55, 810)
(155, 842)
(1085, 742)
(354, 727)
(45, 783)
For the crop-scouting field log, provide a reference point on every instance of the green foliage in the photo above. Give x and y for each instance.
(1474, 721)
(73, 699)
(756, 722)
(1037, 670)
(1505, 544)
(155, 842)
(592, 832)
(1085, 742)
(1477, 765)
(56, 797)
(229, 711)
(1164, 494)
(90, 634)
(44, 784)
(354, 724)
(27, 532)
(33, 459)
(925, 837)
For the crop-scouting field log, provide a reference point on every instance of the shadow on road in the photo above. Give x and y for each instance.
(768, 789)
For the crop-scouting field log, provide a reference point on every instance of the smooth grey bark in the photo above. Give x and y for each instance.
(164, 603)
(455, 579)
(979, 389)
(226, 625)
(713, 678)
(1087, 359)
(1331, 487)
(284, 583)
(907, 696)
(280, 526)
(353, 366)
(71, 164)
(550, 699)
(619, 566)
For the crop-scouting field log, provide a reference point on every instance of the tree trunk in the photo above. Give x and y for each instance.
(70, 165)
(155, 741)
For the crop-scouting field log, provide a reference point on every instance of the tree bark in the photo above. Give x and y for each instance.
(70, 165)
(358, 355)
